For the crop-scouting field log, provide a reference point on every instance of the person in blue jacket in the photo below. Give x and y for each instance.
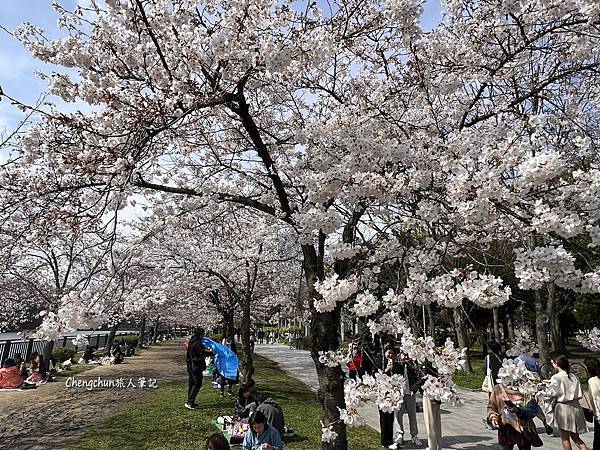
(261, 435)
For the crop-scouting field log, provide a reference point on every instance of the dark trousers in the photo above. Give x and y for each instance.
(229, 383)
(596, 435)
(194, 384)
(386, 425)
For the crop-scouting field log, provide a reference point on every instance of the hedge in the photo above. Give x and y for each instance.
(62, 354)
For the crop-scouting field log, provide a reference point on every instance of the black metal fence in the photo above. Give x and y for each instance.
(9, 348)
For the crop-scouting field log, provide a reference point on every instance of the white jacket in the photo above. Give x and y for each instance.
(594, 396)
(568, 387)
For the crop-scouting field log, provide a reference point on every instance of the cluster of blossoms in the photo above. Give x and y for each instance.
(515, 375)
(332, 291)
(77, 310)
(390, 322)
(446, 359)
(522, 344)
(483, 290)
(386, 391)
(366, 304)
(441, 389)
(327, 433)
(590, 339)
(452, 288)
(332, 358)
(553, 264)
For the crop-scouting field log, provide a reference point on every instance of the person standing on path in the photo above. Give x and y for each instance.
(431, 410)
(568, 413)
(196, 364)
(511, 413)
(593, 397)
(493, 360)
(409, 405)
(386, 419)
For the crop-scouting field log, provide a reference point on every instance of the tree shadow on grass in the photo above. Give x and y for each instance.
(295, 438)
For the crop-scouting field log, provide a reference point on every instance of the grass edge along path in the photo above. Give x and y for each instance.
(161, 422)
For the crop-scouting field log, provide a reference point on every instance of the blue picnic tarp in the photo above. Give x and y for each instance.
(226, 361)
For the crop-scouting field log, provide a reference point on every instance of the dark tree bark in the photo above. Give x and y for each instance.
(47, 354)
(111, 336)
(142, 332)
(510, 327)
(541, 327)
(247, 359)
(155, 331)
(496, 318)
(556, 334)
(461, 334)
(431, 321)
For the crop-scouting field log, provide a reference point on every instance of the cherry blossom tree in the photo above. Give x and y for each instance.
(232, 259)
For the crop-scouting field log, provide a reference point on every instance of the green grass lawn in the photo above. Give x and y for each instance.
(470, 380)
(161, 421)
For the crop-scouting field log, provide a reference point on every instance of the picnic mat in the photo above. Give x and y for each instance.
(232, 440)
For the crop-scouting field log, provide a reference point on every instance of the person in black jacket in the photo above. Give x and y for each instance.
(196, 364)
(390, 366)
(493, 360)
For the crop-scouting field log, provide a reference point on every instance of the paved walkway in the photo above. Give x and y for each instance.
(462, 426)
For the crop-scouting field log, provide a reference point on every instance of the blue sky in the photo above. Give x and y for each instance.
(17, 66)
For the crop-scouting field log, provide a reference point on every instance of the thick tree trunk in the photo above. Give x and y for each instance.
(228, 323)
(461, 334)
(324, 334)
(554, 320)
(155, 331)
(111, 336)
(541, 327)
(431, 322)
(496, 318)
(47, 353)
(247, 360)
(510, 327)
(142, 332)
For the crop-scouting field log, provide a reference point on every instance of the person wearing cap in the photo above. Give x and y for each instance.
(11, 375)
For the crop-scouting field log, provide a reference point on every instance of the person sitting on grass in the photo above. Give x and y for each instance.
(217, 442)
(10, 375)
(37, 370)
(20, 363)
(261, 435)
(249, 402)
(245, 398)
(116, 353)
(88, 354)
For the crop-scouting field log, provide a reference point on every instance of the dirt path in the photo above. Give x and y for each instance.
(55, 416)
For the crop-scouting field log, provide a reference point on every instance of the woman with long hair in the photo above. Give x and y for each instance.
(38, 369)
(568, 413)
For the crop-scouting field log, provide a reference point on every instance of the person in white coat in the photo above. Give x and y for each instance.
(568, 413)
